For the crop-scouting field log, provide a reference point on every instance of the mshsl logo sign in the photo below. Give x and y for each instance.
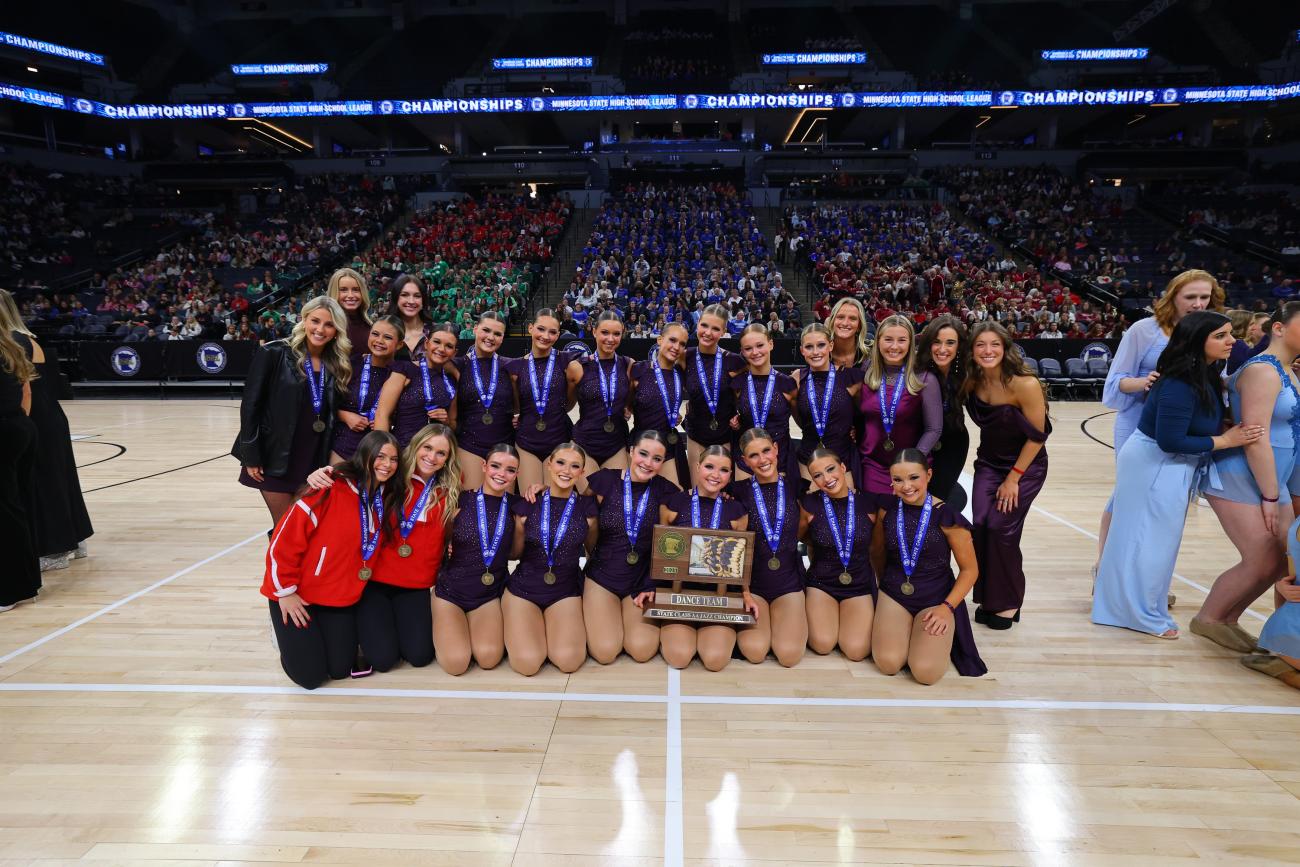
(125, 361)
(211, 358)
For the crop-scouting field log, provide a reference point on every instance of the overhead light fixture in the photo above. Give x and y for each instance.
(32, 69)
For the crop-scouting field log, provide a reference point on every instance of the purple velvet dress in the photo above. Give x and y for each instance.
(1003, 432)
(589, 432)
(346, 440)
(558, 427)
(932, 578)
(778, 417)
(472, 433)
(528, 579)
(918, 424)
(411, 416)
(608, 565)
(460, 581)
(826, 568)
(698, 416)
(788, 577)
(648, 410)
(841, 421)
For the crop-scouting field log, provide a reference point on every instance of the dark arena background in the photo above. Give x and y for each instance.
(179, 178)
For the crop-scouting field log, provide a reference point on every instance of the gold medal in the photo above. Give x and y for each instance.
(364, 573)
(907, 588)
(487, 579)
(774, 563)
(404, 551)
(937, 446)
(609, 425)
(672, 437)
(846, 579)
(541, 424)
(318, 425)
(487, 418)
(713, 424)
(549, 577)
(632, 558)
(889, 444)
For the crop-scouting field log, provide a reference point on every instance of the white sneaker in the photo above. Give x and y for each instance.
(55, 563)
(4, 608)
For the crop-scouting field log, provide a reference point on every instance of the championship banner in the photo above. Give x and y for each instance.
(209, 359)
(142, 361)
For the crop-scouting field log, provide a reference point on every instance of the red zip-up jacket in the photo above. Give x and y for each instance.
(428, 543)
(315, 550)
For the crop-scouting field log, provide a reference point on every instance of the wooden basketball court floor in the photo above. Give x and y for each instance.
(144, 718)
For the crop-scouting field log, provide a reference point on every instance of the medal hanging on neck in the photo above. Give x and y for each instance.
(363, 391)
(317, 393)
(551, 545)
(843, 541)
(910, 556)
(710, 399)
(370, 532)
(820, 415)
(889, 406)
(485, 396)
(760, 413)
(715, 519)
(541, 396)
(427, 385)
(773, 536)
(671, 408)
(488, 547)
(608, 390)
(632, 523)
(407, 524)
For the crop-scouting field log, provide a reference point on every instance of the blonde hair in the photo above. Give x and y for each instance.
(336, 356)
(448, 478)
(1166, 312)
(862, 346)
(10, 318)
(14, 359)
(876, 370)
(1241, 320)
(332, 290)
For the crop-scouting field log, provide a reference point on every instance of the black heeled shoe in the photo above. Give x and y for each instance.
(997, 621)
(981, 616)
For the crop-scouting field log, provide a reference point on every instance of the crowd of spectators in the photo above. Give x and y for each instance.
(1269, 217)
(668, 55)
(471, 254)
(918, 261)
(661, 252)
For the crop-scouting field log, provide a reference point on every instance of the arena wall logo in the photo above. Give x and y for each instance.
(125, 361)
(211, 358)
(1095, 351)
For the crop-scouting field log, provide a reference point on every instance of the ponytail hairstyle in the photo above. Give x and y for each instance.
(910, 456)
(876, 369)
(394, 323)
(360, 470)
(568, 446)
(448, 478)
(823, 452)
(749, 436)
(756, 328)
(493, 314)
(395, 291)
(717, 311)
(648, 434)
(714, 451)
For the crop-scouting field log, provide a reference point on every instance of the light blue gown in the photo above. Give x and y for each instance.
(1281, 634)
(1230, 476)
(1155, 478)
(1138, 352)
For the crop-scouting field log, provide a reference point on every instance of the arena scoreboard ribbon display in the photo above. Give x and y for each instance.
(1060, 98)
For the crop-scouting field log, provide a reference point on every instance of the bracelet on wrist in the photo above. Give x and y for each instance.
(1017, 471)
(948, 605)
(1268, 499)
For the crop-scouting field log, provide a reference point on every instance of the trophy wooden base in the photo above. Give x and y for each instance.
(708, 616)
(701, 576)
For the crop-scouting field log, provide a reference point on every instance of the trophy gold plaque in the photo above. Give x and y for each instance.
(700, 575)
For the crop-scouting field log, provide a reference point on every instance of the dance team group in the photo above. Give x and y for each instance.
(427, 472)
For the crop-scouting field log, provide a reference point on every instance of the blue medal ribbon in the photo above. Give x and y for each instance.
(630, 523)
(317, 388)
(369, 539)
(487, 546)
(364, 391)
(715, 520)
(407, 524)
(889, 405)
(429, 405)
(608, 390)
(550, 545)
(760, 413)
(773, 538)
(711, 400)
(909, 556)
(843, 541)
(673, 410)
(820, 415)
(541, 397)
(485, 397)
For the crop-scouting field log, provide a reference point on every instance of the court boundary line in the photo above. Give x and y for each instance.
(673, 697)
(113, 606)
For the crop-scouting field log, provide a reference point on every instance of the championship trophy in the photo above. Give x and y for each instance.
(700, 575)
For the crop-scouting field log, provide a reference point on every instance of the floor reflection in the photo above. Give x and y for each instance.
(628, 846)
(724, 844)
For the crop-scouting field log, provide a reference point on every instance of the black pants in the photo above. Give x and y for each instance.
(947, 465)
(323, 651)
(395, 623)
(20, 573)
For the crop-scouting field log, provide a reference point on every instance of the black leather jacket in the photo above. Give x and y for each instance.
(268, 414)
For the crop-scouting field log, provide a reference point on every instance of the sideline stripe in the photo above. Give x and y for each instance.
(124, 600)
(674, 843)
(674, 699)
